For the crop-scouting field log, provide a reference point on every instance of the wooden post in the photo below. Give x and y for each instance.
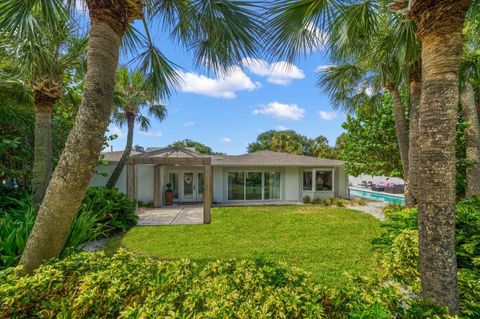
(131, 182)
(157, 188)
(207, 194)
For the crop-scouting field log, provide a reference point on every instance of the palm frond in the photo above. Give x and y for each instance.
(157, 111)
(143, 122)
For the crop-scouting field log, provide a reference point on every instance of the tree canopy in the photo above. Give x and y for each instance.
(199, 147)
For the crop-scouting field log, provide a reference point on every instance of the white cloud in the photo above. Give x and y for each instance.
(281, 73)
(328, 116)
(281, 111)
(281, 128)
(224, 85)
(188, 124)
(323, 68)
(226, 140)
(151, 133)
(117, 131)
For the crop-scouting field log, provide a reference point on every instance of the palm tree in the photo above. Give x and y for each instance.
(470, 79)
(295, 25)
(383, 61)
(131, 95)
(219, 33)
(440, 25)
(37, 67)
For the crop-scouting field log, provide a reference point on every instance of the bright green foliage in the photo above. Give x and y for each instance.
(16, 221)
(102, 213)
(399, 253)
(289, 141)
(324, 241)
(92, 285)
(369, 145)
(199, 147)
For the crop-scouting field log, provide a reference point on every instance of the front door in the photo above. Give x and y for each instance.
(192, 186)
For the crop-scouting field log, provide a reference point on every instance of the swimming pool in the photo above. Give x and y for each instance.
(354, 192)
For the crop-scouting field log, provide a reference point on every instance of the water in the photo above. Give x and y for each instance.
(376, 196)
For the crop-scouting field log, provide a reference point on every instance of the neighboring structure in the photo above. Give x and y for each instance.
(262, 176)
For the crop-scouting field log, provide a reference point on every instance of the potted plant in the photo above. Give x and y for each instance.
(169, 195)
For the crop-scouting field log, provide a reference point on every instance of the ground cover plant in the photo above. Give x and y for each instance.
(92, 285)
(324, 241)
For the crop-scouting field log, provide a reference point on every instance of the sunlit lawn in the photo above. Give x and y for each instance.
(324, 241)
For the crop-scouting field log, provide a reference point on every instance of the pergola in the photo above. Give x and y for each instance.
(170, 156)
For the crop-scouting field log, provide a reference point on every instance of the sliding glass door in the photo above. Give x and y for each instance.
(254, 185)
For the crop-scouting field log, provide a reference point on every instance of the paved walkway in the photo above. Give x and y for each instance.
(374, 208)
(173, 215)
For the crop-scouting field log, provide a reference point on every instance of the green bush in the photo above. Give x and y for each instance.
(15, 226)
(102, 213)
(306, 199)
(399, 253)
(92, 285)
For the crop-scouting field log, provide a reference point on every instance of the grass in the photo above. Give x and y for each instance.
(324, 241)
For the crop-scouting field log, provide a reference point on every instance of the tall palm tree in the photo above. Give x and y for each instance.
(440, 24)
(382, 61)
(219, 33)
(37, 67)
(131, 96)
(470, 79)
(296, 25)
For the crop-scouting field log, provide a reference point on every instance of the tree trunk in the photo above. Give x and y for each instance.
(413, 150)
(80, 155)
(42, 160)
(112, 181)
(472, 139)
(440, 26)
(401, 130)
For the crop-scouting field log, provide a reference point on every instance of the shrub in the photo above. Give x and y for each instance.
(306, 199)
(317, 201)
(103, 212)
(398, 247)
(15, 226)
(92, 285)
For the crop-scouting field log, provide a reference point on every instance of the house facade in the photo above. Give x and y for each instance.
(259, 177)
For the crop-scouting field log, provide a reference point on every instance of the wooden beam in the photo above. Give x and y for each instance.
(170, 160)
(157, 189)
(131, 182)
(207, 194)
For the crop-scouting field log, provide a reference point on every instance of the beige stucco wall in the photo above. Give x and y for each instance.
(292, 184)
(99, 180)
(217, 184)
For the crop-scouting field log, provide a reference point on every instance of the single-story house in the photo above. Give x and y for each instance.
(262, 176)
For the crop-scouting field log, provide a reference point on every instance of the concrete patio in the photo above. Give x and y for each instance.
(172, 215)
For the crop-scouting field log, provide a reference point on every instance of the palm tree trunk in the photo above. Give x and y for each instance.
(440, 26)
(112, 181)
(42, 159)
(80, 155)
(401, 130)
(413, 150)
(472, 139)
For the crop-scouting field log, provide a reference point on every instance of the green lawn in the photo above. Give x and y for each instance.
(324, 241)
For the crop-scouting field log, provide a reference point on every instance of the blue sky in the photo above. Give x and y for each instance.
(226, 112)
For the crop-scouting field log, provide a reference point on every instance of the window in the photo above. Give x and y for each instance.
(323, 181)
(254, 185)
(272, 185)
(307, 181)
(236, 186)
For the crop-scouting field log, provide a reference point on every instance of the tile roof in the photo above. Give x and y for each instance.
(260, 158)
